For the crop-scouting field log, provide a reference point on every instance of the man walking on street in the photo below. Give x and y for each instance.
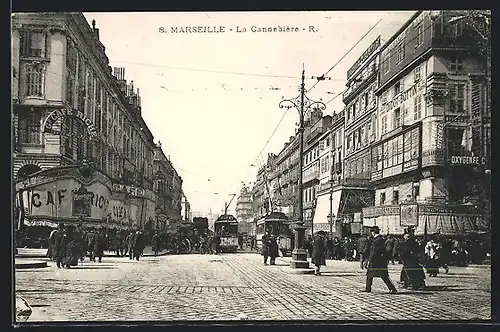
(377, 264)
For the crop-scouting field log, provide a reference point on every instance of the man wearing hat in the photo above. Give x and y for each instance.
(377, 263)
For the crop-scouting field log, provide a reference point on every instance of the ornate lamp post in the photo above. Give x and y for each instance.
(302, 103)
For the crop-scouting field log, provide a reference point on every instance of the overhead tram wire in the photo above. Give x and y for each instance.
(274, 131)
(196, 69)
(233, 73)
(403, 44)
(342, 58)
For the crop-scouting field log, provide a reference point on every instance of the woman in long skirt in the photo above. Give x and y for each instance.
(412, 274)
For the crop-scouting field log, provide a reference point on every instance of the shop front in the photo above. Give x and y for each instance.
(446, 219)
(70, 194)
(132, 207)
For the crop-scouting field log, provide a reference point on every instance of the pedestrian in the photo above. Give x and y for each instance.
(273, 250)
(329, 247)
(390, 245)
(377, 264)
(252, 243)
(51, 238)
(59, 246)
(432, 257)
(91, 239)
(318, 253)
(265, 246)
(99, 245)
(412, 274)
(130, 245)
(240, 241)
(364, 250)
(138, 244)
(155, 243)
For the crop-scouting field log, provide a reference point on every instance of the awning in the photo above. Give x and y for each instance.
(323, 207)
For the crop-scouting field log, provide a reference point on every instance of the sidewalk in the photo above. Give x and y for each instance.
(41, 253)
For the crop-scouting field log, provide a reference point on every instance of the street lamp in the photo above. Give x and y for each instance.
(302, 103)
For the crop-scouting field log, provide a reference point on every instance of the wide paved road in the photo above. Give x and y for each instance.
(232, 286)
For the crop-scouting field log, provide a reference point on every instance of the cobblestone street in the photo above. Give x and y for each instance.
(232, 286)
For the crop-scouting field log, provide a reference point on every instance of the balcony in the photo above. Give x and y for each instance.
(309, 205)
(355, 182)
(313, 175)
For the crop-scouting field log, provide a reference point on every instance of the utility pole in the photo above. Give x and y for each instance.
(302, 103)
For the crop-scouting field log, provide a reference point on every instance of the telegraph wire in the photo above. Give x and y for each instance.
(403, 44)
(342, 58)
(200, 70)
(274, 131)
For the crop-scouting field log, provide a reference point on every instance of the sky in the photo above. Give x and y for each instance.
(212, 98)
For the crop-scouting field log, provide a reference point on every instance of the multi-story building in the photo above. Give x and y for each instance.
(360, 127)
(326, 216)
(285, 179)
(259, 202)
(427, 157)
(244, 211)
(316, 125)
(69, 110)
(163, 187)
(177, 196)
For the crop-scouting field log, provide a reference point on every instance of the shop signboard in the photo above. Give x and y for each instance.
(468, 160)
(119, 212)
(130, 190)
(67, 199)
(48, 125)
(409, 215)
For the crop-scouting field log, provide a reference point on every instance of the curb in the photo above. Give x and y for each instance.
(297, 271)
(30, 265)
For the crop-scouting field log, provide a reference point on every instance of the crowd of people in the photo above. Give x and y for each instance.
(418, 255)
(69, 244)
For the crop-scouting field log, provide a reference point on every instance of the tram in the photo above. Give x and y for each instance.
(277, 224)
(227, 228)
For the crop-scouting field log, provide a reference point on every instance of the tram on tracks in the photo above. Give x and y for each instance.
(278, 225)
(227, 228)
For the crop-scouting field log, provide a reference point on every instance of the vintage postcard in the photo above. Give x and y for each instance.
(324, 166)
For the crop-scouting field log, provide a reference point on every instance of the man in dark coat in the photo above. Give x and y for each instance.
(273, 250)
(91, 240)
(377, 264)
(155, 243)
(138, 244)
(318, 253)
(390, 245)
(364, 250)
(265, 246)
(130, 244)
(99, 245)
(59, 245)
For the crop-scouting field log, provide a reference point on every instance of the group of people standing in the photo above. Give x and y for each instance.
(69, 244)
(270, 249)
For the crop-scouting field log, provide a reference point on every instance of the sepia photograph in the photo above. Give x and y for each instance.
(251, 166)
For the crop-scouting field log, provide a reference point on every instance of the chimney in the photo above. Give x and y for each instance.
(286, 144)
(290, 140)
